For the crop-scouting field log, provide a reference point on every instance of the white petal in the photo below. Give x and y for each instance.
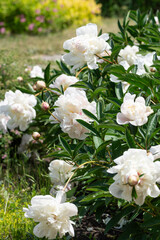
(121, 119)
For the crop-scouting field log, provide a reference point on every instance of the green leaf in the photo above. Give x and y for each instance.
(100, 194)
(88, 126)
(152, 123)
(118, 90)
(90, 115)
(131, 228)
(64, 68)
(78, 146)
(65, 145)
(130, 140)
(153, 221)
(97, 141)
(47, 73)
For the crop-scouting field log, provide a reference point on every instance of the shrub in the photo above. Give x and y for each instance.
(40, 16)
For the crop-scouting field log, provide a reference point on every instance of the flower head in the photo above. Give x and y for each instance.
(137, 170)
(53, 215)
(134, 112)
(18, 108)
(37, 72)
(128, 54)
(63, 80)
(69, 108)
(60, 171)
(84, 47)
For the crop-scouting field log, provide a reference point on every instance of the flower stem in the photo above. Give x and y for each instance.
(81, 71)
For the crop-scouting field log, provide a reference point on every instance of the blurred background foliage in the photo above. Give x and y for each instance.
(112, 8)
(41, 16)
(37, 16)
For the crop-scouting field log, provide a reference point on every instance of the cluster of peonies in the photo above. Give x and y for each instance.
(53, 215)
(137, 170)
(69, 108)
(85, 47)
(17, 110)
(137, 174)
(133, 112)
(129, 56)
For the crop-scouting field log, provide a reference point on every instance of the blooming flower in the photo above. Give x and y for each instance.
(69, 108)
(135, 169)
(128, 54)
(31, 26)
(84, 47)
(18, 107)
(3, 118)
(37, 72)
(53, 215)
(64, 81)
(134, 112)
(2, 30)
(60, 171)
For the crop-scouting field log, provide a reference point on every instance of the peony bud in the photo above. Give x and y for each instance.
(133, 180)
(40, 85)
(45, 106)
(20, 79)
(36, 135)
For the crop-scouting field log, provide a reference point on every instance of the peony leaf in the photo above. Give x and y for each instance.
(90, 115)
(65, 145)
(130, 140)
(88, 126)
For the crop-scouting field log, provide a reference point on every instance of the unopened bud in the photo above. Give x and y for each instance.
(20, 79)
(40, 85)
(45, 106)
(133, 180)
(36, 135)
(152, 69)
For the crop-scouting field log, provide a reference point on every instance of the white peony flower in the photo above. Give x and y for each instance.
(134, 112)
(60, 171)
(146, 60)
(18, 107)
(3, 118)
(85, 46)
(63, 80)
(69, 108)
(135, 169)
(26, 139)
(37, 72)
(155, 150)
(53, 215)
(115, 79)
(128, 54)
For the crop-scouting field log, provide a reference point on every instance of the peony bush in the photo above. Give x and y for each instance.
(96, 115)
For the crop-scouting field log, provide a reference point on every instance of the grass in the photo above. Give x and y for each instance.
(20, 180)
